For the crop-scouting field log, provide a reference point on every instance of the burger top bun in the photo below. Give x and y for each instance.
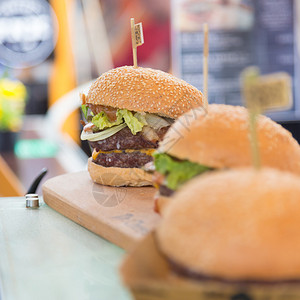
(144, 90)
(236, 225)
(220, 139)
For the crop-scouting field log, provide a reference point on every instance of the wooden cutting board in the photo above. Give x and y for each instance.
(122, 215)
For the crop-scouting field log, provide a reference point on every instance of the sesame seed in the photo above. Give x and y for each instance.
(139, 89)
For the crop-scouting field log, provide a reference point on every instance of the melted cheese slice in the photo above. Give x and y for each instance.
(145, 151)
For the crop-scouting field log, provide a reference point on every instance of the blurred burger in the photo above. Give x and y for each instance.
(239, 229)
(198, 143)
(127, 112)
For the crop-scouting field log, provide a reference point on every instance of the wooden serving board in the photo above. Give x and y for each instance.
(122, 215)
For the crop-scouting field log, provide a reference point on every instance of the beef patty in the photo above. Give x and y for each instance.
(134, 159)
(124, 139)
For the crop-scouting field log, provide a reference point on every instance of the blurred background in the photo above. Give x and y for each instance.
(50, 51)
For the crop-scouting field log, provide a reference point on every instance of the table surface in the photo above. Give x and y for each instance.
(44, 255)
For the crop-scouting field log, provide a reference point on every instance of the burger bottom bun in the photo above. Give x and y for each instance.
(160, 203)
(118, 176)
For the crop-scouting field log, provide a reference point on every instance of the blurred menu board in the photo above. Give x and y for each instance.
(262, 33)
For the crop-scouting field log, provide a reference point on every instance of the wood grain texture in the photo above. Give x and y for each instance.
(121, 215)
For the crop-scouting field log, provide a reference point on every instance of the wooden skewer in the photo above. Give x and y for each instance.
(255, 90)
(253, 114)
(250, 77)
(205, 62)
(134, 51)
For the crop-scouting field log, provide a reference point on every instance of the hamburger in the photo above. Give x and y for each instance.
(127, 112)
(198, 143)
(239, 229)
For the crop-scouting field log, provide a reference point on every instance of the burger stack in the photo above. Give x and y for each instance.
(127, 113)
(219, 139)
(228, 231)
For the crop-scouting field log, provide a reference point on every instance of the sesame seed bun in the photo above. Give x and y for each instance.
(144, 90)
(118, 176)
(236, 225)
(220, 139)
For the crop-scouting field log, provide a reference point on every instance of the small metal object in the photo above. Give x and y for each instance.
(32, 200)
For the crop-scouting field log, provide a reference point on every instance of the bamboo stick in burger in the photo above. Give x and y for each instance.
(137, 39)
(262, 93)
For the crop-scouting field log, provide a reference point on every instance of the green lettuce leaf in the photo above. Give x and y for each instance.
(101, 121)
(141, 118)
(132, 122)
(177, 172)
(123, 115)
(84, 109)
